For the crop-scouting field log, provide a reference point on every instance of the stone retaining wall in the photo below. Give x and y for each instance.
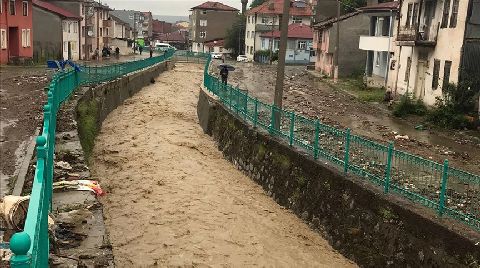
(367, 226)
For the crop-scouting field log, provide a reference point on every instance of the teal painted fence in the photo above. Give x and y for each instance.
(446, 190)
(31, 247)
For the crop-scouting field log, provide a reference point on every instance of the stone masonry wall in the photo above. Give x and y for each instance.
(367, 226)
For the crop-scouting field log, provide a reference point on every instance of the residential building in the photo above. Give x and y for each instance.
(267, 18)
(350, 58)
(122, 36)
(210, 21)
(56, 32)
(178, 39)
(217, 46)
(95, 24)
(380, 42)
(147, 26)
(133, 18)
(299, 44)
(436, 39)
(16, 33)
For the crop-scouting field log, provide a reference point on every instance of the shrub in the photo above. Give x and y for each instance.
(409, 106)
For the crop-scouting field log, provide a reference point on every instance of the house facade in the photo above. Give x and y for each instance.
(56, 33)
(351, 59)
(95, 26)
(210, 21)
(299, 44)
(431, 39)
(217, 46)
(16, 31)
(379, 44)
(266, 18)
(122, 36)
(133, 18)
(147, 26)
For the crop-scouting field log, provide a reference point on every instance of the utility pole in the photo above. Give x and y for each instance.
(272, 40)
(278, 100)
(337, 45)
(134, 32)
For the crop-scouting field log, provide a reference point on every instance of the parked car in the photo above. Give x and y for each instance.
(217, 56)
(163, 46)
(242, 58)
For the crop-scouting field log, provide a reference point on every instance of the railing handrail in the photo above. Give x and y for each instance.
(31, 247)
(393, 170)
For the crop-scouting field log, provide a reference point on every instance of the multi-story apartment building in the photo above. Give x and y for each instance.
(433, 39)
(380, 42)
(95, 24)
(267, 18)
(210, 21)
(133, 18)
(16, 31)
(147, 26)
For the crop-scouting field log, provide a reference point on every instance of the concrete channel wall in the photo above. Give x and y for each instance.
(373, 229)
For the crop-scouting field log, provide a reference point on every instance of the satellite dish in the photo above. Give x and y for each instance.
(90, 33)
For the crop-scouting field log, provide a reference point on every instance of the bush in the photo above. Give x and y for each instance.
(446, 116)
(409, 106)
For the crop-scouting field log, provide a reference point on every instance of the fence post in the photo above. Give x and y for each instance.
(347, 151)
(292, 127)
(317, 139)
(20, 245)
(388, 168)
(255, 114)
(272, 119)
(443, 189)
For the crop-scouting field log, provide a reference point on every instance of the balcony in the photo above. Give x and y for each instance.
(374, 43)
(425, 35)
(107, 23)
(265, 28)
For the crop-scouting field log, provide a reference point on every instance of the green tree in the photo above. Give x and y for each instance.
(256, 3)
(235, 36)
(352, 5)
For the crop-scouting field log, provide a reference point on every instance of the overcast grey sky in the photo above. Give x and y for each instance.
(164, 7)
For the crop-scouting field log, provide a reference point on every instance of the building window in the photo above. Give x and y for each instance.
(296, 19)
(73, 45)
(453, 18)
(409, 15)
(204, 12)
(101, 31)
(26, 38)
(446, 13)
(203, 34)
(29, 42)
(65, 46)
(75, 27)
(106, 32)
(69, 27)
(415, 15)
(83, 9)
(203, 22)
(12, 7)
(302, 45)
(25, 8)
(249, 19)
(3, 38)
(377, 59)
(265, 20)
(446, 74)
(83, 31)
(436, 73)
(407, 70)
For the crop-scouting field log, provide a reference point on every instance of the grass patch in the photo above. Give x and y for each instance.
(357, 87)
(409, 106)
(87, 125)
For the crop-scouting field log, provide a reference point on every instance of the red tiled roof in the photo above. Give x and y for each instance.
(215, 43)
(215, 6)
(296, 30)
(55, 9)
(382, 6)
(172, 37)
(276, 7)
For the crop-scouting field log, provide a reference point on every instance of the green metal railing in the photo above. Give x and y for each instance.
(189, 56)
(31, 247)
(447, 190)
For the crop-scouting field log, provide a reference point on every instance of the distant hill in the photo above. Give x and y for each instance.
(171, 19)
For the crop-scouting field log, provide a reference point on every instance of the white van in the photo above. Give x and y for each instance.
(163, 46)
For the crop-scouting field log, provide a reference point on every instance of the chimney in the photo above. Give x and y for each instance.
(244, 6)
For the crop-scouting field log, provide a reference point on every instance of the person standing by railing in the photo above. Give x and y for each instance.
(224, 74)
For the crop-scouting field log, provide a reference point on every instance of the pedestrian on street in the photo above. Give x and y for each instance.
(140, 48)
(224, 74)
(151, 51)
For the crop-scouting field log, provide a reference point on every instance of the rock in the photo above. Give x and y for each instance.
(401, 137)
(63, 165)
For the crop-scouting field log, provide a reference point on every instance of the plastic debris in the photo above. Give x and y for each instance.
(402, 137)
(79, 185)
(63, 165)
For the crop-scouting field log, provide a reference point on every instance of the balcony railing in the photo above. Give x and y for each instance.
(424, 35)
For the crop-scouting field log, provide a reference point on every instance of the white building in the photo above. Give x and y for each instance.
(430, 43)
(380, 43)
(266, 18)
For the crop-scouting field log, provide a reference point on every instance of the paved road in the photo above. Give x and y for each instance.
(173, 200)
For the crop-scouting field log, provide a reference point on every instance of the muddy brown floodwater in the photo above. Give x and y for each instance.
(173, 200)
